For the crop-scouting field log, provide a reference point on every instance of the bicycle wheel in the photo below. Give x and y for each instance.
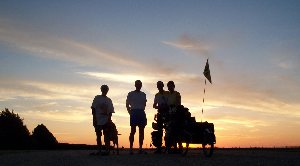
(185, 149)
(208, 149)
(187, 139)
(208, 144)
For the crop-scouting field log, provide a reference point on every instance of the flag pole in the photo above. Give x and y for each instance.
(203, 101)
(208, 77)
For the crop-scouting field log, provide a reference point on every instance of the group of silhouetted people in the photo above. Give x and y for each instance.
(102, 109)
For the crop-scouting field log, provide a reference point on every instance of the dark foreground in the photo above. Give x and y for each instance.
(226, 157)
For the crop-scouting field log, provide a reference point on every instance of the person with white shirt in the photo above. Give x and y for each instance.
(102, 109)
(135, 104)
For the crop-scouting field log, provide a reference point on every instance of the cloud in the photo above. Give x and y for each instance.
(55, 101)
(119, 77)
(243, 96)
(190, 44)
(11, 89)
(65, 115)
(130, 78)
(240, 91)
(42, 44)
(60, 48)
(285, 55)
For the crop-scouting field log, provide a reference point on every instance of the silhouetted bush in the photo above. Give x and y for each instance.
(13, 133)
(43, 138)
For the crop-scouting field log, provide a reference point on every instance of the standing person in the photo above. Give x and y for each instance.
(174, 97)
(161, 104)
(174, 100)
(135, 104)
(102, 109)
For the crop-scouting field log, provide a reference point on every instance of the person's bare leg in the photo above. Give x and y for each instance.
(107, 142)
(141, 136)
(99, 142)
(141, 139)
(131, 137)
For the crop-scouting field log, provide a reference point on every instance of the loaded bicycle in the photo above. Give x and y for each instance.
(181, 128)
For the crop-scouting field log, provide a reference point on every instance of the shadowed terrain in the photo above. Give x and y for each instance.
(230, 157)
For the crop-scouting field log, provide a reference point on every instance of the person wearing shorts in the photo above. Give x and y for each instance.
(102, 109)
(135, 104)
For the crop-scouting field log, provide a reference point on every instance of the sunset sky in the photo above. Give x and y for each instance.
(55, 55)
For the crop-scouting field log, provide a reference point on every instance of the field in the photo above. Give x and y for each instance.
(226, 157)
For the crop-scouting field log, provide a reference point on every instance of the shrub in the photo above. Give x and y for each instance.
(13, 133)
(43, 138)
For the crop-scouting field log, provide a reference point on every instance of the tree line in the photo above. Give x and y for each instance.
(15, 135)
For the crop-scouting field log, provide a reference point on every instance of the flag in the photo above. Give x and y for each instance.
(207, 71)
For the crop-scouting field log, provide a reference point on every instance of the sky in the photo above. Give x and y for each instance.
(55, 55)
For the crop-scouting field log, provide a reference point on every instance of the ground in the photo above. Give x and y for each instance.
(226, 157)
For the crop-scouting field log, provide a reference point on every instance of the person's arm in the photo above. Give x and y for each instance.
(109, 117)
(93, 106)
(128, 105)
(94, 116)
(145, 101)
(155, 104)
(112, 111)
(178, 98)
(93, 110)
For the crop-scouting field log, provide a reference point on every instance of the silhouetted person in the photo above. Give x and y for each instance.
(135, 104)
(174, 100)
(174, 97)
(102, 109)
(161, 104)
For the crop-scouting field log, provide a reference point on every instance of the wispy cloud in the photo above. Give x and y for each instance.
(70, 116)
(130, 78)
(119, 77)
(40, 90)
(42, 44)
(187, 43)
(70, 103)
(61, 48)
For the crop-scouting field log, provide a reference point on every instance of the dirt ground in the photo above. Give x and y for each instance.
(226, 157)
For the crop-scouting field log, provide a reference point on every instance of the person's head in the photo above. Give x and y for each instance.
(171, 86)
(138, 84)
(160, 85)
(104, 89)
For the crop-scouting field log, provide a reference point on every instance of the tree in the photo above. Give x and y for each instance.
(43, 138)
(13, 133)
